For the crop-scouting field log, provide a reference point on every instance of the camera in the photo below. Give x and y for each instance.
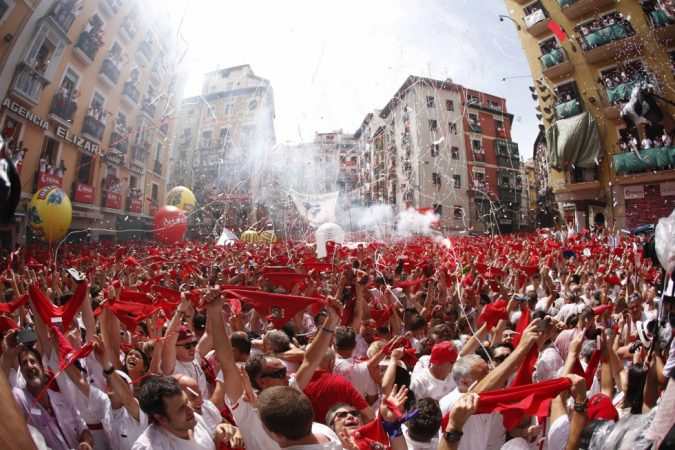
(592, 333)
(633, 348)
(26, 336)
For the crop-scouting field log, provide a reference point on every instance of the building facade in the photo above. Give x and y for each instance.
(604, 50)
(438, 146)
(86, 89)
(224, 138)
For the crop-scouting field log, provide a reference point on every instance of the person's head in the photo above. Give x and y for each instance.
(587, 349)
(241, 346)
(30, 364)
(425, 425)
(441, 332)
(343, 417)
(328, 361)
(586, 319)
(186, 345)
(344, 339)
(508, 336)
(651, 294)
(276, 341)
(136, 361)
(266, 371)
(634, 387)
(163, 400)
(635, 307)
(417, 324)
(443, 357)
(368, 330)
(501, 351)
(190, 387)
(286, 414)
(467, 370)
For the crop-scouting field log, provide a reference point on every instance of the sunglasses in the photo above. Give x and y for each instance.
(188, 345)
(343, 415)
(277, 374)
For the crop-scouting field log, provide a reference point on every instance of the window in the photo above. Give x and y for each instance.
(49, 153)
(473, 119)
(472, 99)
(209, 112)
(438, 209)
(453, 128)
(133, 182)
(158, 152)
(434, 150)
(206, 139)
(479, 179)
(475, 144)
(223, 137)
(458, 212)
(495, 105)
(229, 108)
(449, 105)
(436, 179)
(454, 153)
(84, 169)
(433, 125)
(154, 195)
(457, 181)
(505, 181)
(252, 105)
(430, 101)
(499, 125)
(96, 107)
(4, 7)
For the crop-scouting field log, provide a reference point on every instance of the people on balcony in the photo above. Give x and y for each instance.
(599, 24)
(96, 111)
(111, 183)
(630, 142)
(91, 38)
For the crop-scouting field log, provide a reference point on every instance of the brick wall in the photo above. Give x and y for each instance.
(648, 209)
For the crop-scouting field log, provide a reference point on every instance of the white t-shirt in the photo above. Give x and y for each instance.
(412, 444)
(361, 349)
(477, 428)
(548, 364)
(155, 437)
(194, 370)
(357, 374)
(424, 384)
(333, 444)
(211, 414)
(558, 433)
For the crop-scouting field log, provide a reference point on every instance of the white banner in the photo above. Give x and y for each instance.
(316, 209)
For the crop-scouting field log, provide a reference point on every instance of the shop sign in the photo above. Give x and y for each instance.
(113, 200)
(138, 170)
(114, 158)
(85, 144)
(84, 193)
(633, 192)
(46, 179)
(24, 113)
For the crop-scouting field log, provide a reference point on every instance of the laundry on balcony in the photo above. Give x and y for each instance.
(568, 109)
(535, 17)
(573, 142)
(647, 159)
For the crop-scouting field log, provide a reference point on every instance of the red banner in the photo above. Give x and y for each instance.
(46, 179)
(84, 193)
(113, 200)
(135, 205)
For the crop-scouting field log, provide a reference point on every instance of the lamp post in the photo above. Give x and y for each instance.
(502, 17)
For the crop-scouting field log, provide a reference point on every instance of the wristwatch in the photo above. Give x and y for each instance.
(580, 407)
(453, 436)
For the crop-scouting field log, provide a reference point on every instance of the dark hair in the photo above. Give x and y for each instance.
(153, 392)
(254, 368)
(286, 411)
(586, 314)
(32, 351)
(503, 345)
(634, 389)
(144, 357)
(483, 353)
(417, 322)
(424, 426)
(199, 322)
(345, 338)
(241, 342)
(402, 378)
(440, 333)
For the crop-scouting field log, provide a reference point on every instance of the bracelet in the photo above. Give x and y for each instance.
(327, 330)
(581, 407)
(108, 372)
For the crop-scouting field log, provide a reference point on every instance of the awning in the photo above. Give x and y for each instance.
(573, 142)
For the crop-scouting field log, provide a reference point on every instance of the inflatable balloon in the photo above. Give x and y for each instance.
(267, 237)
(182, 198)
(249, 236)
(170, 224)
(50, 214)
(325, 233)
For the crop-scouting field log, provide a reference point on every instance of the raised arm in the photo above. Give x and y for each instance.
(168, 363)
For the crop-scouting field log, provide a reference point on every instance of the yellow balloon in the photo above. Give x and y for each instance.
(267, 236)
(182, 198)
(249, 236)
(50, 214)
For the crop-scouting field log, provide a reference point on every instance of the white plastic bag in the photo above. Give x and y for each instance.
(664, 241)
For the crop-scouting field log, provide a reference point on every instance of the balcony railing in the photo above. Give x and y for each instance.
(93, 127)
(110, 70)
(662, 25)
(114, 5)
(621, 92)
(29, 83)
(661, 158)
(568, 109)
(577, 8)
(659, 19)
(157, 167)
(149, 108)
(479, 154)
(130, 92)
(63, 15)
(145, 50)
(537, 21)
(64, 107)
(605, 35)
(88, 45)
(475, 127)
(121, 143)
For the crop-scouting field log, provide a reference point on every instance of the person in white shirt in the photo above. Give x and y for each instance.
(421, 431)
(435, 381)
(175, 424)
(357, 372)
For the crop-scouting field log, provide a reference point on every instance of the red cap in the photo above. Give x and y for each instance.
(184, 333)
(600, 407)
(443, 352)
(598, 310)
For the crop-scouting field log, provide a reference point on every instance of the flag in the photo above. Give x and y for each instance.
(278, 308)
(47, 311)
(557, 30)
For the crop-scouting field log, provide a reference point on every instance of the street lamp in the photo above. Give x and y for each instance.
(502, 17)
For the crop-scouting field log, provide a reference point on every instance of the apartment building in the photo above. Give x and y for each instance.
(584, 75)
(86, 89)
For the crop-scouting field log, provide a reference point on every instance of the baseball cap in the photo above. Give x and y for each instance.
(600, 407)
(443, 352)
(185, 333)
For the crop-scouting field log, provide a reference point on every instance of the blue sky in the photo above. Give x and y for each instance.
(332, 62)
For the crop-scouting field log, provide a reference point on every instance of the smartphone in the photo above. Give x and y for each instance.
(75, 275)
(26, 336)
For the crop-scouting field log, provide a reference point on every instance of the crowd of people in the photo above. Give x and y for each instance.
(553, 340)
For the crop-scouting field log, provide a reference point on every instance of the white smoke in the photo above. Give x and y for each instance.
(412, 222)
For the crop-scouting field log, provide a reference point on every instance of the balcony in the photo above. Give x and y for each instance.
(651, 159)
(140, 155)
(62, 109)
(569, 109)
(577, 8)
(662, 26)
(29, 84)
(537, 22)
(579, 184)
(616, 96)
(109, 73)
(555, 64)
(93, 128)
(129, 27)
(149, 109)
(111, 7)
(475, 127)
(119, 142)
(63, 15)
(609, 42)
(479, 154)
(87, 46)
(130, 94)
(145, 52)
(507, 193)
(157, 168)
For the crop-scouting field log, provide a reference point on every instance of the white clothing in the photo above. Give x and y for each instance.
(412, 444)
(558, 433)
(424, 384)
(476, 429)
(120, 427)
(548, 364)
(334, 443)
(155, 437)
(211, 414)
(361, 349)
(194, 370)
(356, 372)
(568, 310)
